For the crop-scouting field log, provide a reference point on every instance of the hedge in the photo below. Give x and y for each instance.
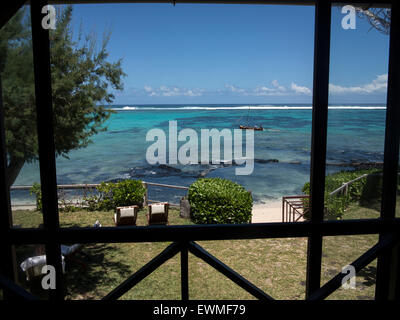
(216, 200)
(365, 191)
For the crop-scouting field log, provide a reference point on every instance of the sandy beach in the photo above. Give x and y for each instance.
(267, 212)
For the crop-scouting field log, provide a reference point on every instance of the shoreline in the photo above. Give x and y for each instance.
(269, 211)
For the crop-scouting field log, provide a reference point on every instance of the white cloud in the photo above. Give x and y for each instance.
(277, 90)
(299, 89)
(378, 85)
(265, 91)
(235, 89)
(148, 89)
(276, 84)
(172, 91)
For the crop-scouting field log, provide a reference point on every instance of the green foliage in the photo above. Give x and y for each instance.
(82, 80)
(128, 192)
(215, 200)
(65, 204)
(111, 195)
(363, 190)
(36, 190)
(108, 196)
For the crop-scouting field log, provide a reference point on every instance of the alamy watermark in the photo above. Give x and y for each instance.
(349, 280)
(188, 153)
(349, 20)
(49, 20)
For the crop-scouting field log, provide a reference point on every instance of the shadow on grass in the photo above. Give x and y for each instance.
(86, 275)
(369, 275)
(373, 204)
(84, 282)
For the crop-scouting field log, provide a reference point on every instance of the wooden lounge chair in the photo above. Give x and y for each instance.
(126, 216)
(158, 214)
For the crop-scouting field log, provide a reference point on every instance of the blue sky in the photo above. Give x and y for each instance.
(205, 53)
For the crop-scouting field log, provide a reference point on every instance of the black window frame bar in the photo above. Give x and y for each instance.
(386, 280)
(318, 139)
(52, 235)
(7, 267)
(45, 131)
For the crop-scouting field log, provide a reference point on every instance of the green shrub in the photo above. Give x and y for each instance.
(111, 195)
(360, 190)
(107, 196)
(36, 190)
(103, 200)
(215, 200)
(128, 192)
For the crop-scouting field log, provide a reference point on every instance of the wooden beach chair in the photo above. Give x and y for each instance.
(126, 216)
(158, 213)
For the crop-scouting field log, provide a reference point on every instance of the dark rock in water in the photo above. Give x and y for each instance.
(166, 167)
(367, 165)
(115, 180)
(226, 163)
(265, 160)
(205, 172)
(358, 165)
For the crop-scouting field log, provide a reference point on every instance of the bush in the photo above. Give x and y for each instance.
(215, 200)
(111, 195)
(37, 191)
(362, 190)
(107, 196)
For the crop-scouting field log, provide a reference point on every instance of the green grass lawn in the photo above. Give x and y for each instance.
(277, 266)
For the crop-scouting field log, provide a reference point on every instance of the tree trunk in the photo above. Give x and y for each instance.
(13, 169)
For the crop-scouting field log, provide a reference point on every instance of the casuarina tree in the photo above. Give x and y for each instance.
(83, 82)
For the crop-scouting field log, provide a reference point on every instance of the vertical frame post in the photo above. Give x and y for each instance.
(44, 109)
(7, 266)
(184, 272)
(7, 251)
(318, 136)
(385, 278)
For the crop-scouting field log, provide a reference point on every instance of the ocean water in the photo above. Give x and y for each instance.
(281, 151)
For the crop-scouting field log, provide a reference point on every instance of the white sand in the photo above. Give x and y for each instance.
(267, 212)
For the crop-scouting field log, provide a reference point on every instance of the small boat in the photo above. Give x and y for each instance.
(247, 127)
(260, 128)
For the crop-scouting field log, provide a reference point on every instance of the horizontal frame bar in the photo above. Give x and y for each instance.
(202, 232)
(271, 2)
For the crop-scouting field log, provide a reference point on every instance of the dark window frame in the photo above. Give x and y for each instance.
(183, 237)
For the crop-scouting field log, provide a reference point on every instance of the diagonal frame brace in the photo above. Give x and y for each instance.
(365, 259)
(201, 253)
(145, 271)
(17, 291)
